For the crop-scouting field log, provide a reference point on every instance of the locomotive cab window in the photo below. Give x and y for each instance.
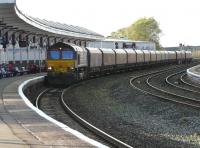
(54, 54)
(67, 55)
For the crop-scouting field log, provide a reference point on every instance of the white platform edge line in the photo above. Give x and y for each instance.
(191, 73)
(61, 125)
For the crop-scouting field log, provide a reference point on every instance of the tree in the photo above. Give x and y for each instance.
(121, 33)
(145, 29)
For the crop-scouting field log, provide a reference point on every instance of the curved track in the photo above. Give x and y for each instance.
(184, 79)
(177, 81)
(52, 103)
(165, 85)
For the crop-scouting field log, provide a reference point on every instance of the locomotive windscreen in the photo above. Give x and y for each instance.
(60, 54)
(66, 55)
(54, 54)
(61, 51)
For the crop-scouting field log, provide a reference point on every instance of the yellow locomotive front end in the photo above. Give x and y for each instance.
(61, 60)
(56, 67)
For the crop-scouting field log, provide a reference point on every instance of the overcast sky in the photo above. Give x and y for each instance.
(179, 19)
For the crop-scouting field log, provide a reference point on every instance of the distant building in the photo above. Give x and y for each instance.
(194, 49)
(123, 43)
(190, 48)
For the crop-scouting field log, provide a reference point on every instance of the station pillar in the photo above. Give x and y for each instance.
(0, 57)
(13, 54)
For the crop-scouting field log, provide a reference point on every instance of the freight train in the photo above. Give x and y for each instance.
(68, 63)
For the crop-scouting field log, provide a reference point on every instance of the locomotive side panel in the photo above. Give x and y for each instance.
(140, 56)
(188, 54)
(121, 56)
(172, 55)
(108, 57)
(159, 56)
(153, 56)
(162, 55)
(95, 57)
(147, 55)
(178, 55)
(166, 55)
(131, 56)
(81, 57)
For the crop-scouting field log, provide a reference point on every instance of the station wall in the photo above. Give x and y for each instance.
(111, 44)
(22, 54)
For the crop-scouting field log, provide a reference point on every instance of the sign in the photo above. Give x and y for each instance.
(129, 45)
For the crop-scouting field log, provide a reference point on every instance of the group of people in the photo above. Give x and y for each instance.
(12, 68)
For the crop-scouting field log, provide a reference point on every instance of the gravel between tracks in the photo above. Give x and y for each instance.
(135, 118)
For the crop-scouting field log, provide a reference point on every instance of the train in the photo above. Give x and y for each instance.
(68, 63)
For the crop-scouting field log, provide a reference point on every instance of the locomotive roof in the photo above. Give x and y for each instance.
(61, 45)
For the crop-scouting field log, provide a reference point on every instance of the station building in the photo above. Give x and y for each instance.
(24, 39)
(194, 49)
(123, 43)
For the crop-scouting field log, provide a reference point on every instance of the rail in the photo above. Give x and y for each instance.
(91, 127)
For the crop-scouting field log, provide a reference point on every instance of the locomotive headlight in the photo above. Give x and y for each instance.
(70, 69)
(50, 68)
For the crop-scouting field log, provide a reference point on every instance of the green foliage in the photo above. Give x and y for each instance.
(144, 29)
(121, 33)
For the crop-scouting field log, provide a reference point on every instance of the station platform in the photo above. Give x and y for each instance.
(194, 73)
(21, 127)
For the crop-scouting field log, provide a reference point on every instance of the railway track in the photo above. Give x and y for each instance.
(175, 81)
(52, 103)
(162, 84)
(184, 79)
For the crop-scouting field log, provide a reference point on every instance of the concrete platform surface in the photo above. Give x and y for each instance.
(21, 127)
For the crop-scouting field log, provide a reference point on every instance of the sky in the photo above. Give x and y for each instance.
(178, 19)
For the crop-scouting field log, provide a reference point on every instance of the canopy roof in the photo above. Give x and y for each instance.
(12, 18)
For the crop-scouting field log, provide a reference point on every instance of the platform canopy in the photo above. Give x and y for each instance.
(12, 18)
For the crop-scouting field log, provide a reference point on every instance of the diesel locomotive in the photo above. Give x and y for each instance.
(68, 63)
